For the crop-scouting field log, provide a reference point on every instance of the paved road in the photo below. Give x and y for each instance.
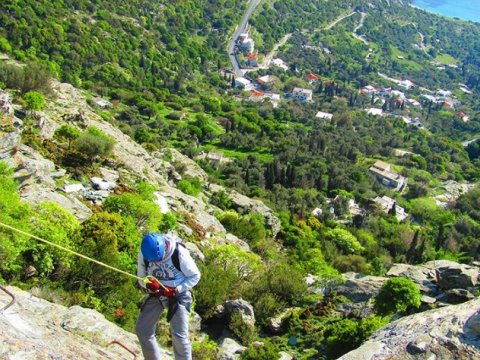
(335, 22)
(240, 29)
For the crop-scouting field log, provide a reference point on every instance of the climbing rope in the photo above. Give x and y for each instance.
(145, 280)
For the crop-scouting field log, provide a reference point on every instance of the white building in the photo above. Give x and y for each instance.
(324, 115)
(302, 94)
(243, 83)
(375, 111)
(386, 204)
(280, 63)
(407, 84)
(387, 176)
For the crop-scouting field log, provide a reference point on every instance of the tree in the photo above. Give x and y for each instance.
(94, 143)
(397, 295)
(34, 100)
(68, 133)
(344, 240)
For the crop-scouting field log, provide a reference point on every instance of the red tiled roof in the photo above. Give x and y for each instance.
(312, 77)
(251, 57)
(256, 93)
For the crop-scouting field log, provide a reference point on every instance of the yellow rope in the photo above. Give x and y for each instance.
(145, 280)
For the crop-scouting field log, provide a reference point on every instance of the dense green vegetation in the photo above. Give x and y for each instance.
(162, 65)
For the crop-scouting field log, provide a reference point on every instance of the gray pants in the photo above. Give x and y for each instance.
(151, 311)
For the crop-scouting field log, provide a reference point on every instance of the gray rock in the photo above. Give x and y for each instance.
(359, 288)
(35, 194)
(284, 356)
(195, 323)
(101, 184)
(229, 349)
(423, 276)
(188, 166)
(35, 329)
(449, 332)
(455, 296)
(428, 299)
(277, 324)
(452, 275)
(232, 239)
(59, 173)
(195, 251)
(70, 188)
(419, 345)
(243, 308)
(109, 175)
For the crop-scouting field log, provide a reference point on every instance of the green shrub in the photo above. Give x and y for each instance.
(94, 143)
(397, 295)
(268, 351)
(190, 186)
(344, 240)
(244, 331)
(205, 349)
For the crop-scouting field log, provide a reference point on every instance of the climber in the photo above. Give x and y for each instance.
(171, 273)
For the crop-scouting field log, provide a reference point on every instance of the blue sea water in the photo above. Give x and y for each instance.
(463, 9)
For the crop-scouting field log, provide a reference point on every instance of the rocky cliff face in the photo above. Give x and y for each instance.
(451, 332)
(33, 328)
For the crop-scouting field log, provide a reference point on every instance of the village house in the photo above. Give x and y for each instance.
(245, 43)
(407, 84)
(414, 103)
(280, 63)
(324, 115)
(443, 94)
(368, 90)
(266, 81)
(302, 94)
(243, 83)
(375, 112)
(251, 60)
(104, 104)
(387, 176)
(312, 78)
(386, 204)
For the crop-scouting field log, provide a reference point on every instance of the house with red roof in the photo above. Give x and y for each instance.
(312, 78)
(251, 60)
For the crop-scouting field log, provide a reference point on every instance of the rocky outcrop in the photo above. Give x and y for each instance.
(360, 288)
(36, 175)
(229, 349)
(243, 308)
(451, 275)
(33, 329)
(451, 332)
(246, 205)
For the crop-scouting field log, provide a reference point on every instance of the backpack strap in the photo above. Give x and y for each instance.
(175, 257)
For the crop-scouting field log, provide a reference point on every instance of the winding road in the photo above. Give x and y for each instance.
(240, 29)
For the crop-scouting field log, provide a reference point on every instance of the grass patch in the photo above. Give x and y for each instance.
(446, 59)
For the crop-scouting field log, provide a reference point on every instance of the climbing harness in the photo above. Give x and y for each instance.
(145, 280)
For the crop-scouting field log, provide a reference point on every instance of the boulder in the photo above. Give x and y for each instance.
(360, 288)
(450, 332)
(187, 166)
(455, 296)
(35, 194)
(33, 329)
(452, 275)
(71, 188)
(243, 308)
(109, 175)
(423, 276)
(101, 184)
(277, 324)
(229, 349)
(247, 205)
(196, 253)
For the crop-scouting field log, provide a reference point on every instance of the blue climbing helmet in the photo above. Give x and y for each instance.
(153, 247)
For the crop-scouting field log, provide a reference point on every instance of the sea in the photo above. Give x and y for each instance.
(463, 9)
